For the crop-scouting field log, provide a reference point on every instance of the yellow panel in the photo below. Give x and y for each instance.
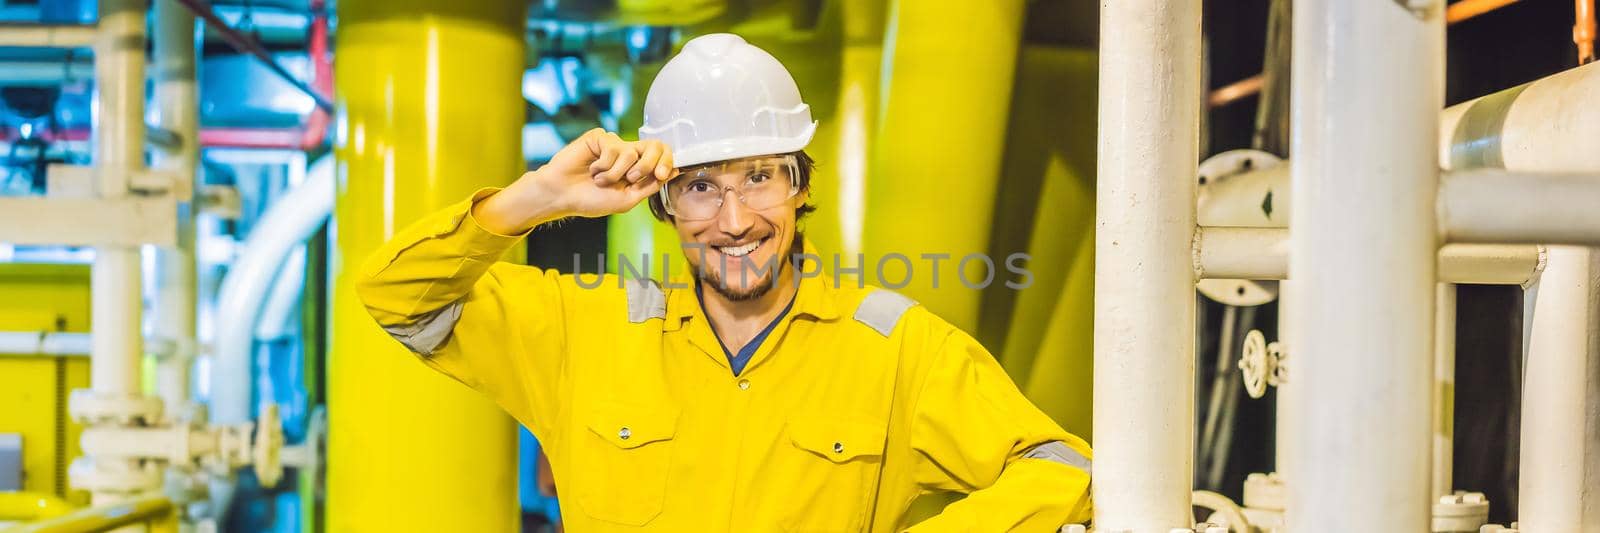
(430, 110)
(43, 297)
(61, 291)
(28, 395)
(936, 155)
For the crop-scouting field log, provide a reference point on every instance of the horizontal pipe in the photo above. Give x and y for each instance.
(43, 343)
(47, 35)
(1540, 126)
(1263, 254)
(1497, 206)
(104, 518)
(29, 506)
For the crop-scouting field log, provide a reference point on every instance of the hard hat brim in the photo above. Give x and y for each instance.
(741, 148)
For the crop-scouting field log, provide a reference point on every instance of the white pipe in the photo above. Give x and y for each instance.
(177, 110)
(43, 343)
(116, 305)
(48, 35)
(291, 219)
(1560, 462)
(1549, 125)
(1285, 426)
(1363, 366)
(283, 299)
(1148, 160)
(1444, 390)
(1519, 207)
(1262, 254)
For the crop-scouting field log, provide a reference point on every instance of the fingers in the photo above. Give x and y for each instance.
(649, 155)
(642, 189)
(665, 168)
(607, 147)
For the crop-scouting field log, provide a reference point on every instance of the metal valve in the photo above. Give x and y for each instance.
(1261, 364)
(268, 447)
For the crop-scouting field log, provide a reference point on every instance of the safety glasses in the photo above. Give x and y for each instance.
(760, 182)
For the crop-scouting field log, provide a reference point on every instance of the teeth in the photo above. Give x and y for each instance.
(740, 251)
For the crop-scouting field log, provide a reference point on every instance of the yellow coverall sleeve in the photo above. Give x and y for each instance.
(972, 431)
(439, 289)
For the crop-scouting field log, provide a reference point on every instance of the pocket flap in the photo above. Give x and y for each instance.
(631, 427)
(837, 440)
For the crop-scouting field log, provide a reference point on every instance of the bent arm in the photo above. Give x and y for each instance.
(437, 288)
(976, 433)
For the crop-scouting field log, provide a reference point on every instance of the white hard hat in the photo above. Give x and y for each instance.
(722, 98)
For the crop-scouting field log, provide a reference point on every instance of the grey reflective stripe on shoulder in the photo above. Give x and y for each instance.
(882, 309)
(645, 300)
(430, 331)
(1059, 452)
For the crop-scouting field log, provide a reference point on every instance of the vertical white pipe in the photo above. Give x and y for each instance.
(177, 110)
(1360, 454)
(1560, 458)
(1284, 423)
(116, 304)
(1444, 389)
(1144, 281)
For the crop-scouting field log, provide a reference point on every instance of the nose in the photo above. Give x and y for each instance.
(734, 218)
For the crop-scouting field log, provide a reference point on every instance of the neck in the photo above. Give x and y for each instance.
(738, 321)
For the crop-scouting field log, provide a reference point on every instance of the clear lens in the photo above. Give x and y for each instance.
(761, 183)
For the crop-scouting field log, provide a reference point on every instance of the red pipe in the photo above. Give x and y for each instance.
(316, 126)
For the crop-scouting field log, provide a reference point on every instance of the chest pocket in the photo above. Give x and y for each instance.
(835, 463)
(624, 457)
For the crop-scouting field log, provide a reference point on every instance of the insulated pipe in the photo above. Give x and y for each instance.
(1263, 254)
(1145, 210)
(47, 35)
(1519, 207)
(1560, 462)
(116, 305)
(290, 220)
(430, 110)
(1360, 457)
(930, 40)
(43, 343)
(178, 111)
(1444, 390)
(1547, 125)
(1537, 127)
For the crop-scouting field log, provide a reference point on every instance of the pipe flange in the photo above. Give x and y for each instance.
(1214, 175)
(115, 476)
(1463, 512)
(1265, 491)
(89, 407)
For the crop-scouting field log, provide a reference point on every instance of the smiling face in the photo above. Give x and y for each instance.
(740, 251)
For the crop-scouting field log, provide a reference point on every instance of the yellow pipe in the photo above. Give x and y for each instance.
(936, 156)
(156, 511)
(430, 109)
(28, 506)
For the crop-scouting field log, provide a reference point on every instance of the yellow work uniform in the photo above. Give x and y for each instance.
(858, 402)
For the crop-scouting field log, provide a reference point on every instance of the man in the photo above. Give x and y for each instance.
(744, 399)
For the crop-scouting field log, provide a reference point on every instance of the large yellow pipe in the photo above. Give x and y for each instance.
(430, 109)
(947, 71)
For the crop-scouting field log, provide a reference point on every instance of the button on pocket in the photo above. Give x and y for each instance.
(834, 465)
(623, 461)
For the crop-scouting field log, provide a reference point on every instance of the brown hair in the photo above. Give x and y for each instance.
(806, 166)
